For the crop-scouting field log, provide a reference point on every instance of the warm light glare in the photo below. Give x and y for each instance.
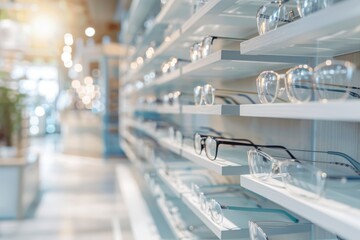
(133, 65)
(65, 57)
(34, 130)
(150, 52)
(88, 80)
(75, 84)
(34, 120)
(86, 100)
(140, 60)
(68, 39)
(89, 32)
(67, 49)
(78, 67)
(39, 111)
(90, 89)
(68, 64)
(43, 25)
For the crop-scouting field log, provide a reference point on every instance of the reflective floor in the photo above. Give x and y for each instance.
(79, 200)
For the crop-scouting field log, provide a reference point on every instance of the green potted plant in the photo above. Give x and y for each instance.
(11, 108)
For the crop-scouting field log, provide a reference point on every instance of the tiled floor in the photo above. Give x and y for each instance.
(79, 201)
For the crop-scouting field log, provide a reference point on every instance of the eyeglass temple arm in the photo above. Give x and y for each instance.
(354, 94)
(233, 99)
(353, 162)
(279, 147)
(231, 142)
(235, 141)
(227, 38)
(228, 100)
(267, 210)
(239, 93)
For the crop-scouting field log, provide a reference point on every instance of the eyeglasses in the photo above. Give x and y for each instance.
(203, 48)
(177, 98)
(273, 15)
(206, 95)
(297, 176)
(177, 136)
(215, 209)
(172, 64)
(329, 80)
(256, 229)
(211, 145)
(306, 7)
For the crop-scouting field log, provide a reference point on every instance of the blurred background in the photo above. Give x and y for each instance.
(42, 57)
(58, 117)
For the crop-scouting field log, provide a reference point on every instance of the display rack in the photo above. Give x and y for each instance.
(341, 219)
(312, 35)
(333, 125)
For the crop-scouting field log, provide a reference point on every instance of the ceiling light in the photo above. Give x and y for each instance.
(90, 32)
(68, 39)
(78, 67)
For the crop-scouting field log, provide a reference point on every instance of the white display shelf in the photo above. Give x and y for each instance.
(231, 65)
(168, 77)
(220, 166)
(162, 80)
(329, 32)
(222, 110)
(169, 183)
(130, 154)
(169, 219)
(174, 11)
(160, 109)
(137, 209)
(163, 51)
(230, 232)
(228, 18)
(217, 17)
(345, 110)
(335, 217)
(169, 109)
(170, 145)
(137, 15)
(129, 137)
(188, 219)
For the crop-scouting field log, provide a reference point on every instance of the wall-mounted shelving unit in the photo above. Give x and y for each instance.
(312, 36)
(341, 219)
(330, 125)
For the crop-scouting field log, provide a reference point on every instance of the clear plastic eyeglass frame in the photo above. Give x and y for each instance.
(306, 7)
(273, 15)
(205, 95)
(298, 177)
(330, 80)
(215, 209)
(260, 230)
(203, 48)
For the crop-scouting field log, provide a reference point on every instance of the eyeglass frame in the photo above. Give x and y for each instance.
(200, 92)
(234, 142)
(314, 83)
(213, 203)
(277, 163)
